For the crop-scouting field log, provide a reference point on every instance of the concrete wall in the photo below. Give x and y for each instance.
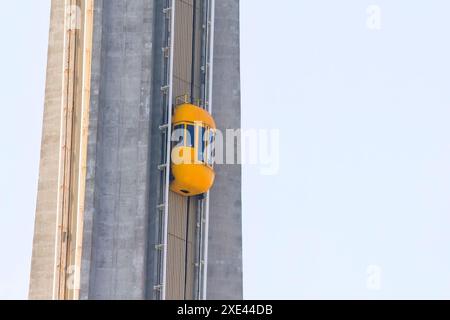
(225, 230)
(115, 246)
(42, 265)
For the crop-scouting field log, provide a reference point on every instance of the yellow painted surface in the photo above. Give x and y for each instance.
(187, 112)
(192, 179)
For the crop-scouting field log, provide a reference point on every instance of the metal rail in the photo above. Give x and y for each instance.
(207, 81)
(166, 129)
(209, 105)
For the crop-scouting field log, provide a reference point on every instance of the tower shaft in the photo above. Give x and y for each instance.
(99, 222)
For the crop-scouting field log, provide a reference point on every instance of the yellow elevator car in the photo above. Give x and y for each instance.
(192, 158)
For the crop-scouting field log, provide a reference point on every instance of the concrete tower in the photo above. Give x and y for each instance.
(107, 226)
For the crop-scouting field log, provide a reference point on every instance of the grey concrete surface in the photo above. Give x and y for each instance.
(43, 258)
(115, 244)
(225, 229)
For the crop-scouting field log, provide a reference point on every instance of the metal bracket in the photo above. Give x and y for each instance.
(163, 127)
(158, 288)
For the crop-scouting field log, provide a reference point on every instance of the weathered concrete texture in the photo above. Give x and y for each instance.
(115, 242)
(124, 150)
(225, 226)
(42, 266)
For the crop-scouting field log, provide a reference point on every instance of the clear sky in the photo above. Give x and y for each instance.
(365, 155)
(360, 207)
(23, 55)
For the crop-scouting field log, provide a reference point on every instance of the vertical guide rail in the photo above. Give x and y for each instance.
(200, 203)
(163, 207)
(207, 92)
(199, 214)
(209, 82)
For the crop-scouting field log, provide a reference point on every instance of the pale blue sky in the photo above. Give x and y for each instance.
(24, 33)
(364, 177)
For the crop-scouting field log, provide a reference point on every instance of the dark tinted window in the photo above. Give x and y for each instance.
(201, 144)
(211, 147)
(190, 136)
